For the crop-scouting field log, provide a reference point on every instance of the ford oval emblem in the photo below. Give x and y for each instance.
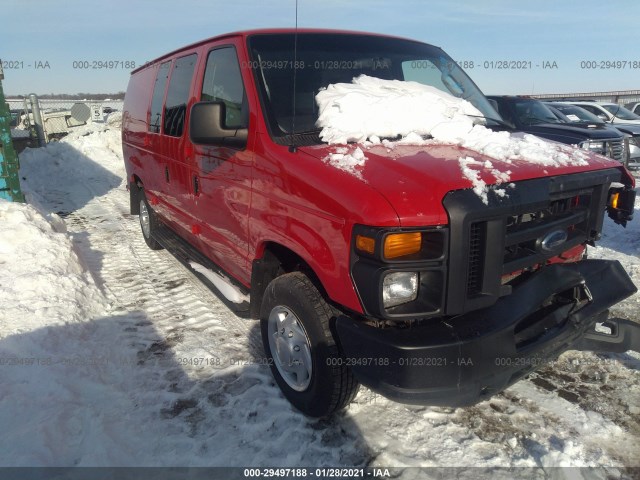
(553, 239)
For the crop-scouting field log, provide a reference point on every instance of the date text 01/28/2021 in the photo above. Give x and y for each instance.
(324, 472)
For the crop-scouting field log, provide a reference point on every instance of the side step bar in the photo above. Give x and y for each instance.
(184, 252)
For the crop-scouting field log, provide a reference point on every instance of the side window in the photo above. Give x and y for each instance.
(175, 109)
(158, 96)
(591, 109)
(504, 112)
(223, 83)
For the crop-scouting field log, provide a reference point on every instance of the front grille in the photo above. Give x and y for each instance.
(493, 243)
(615, 149)
(525, 230)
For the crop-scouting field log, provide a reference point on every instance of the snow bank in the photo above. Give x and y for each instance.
(114, 120)
(42, 281)
(370, 109)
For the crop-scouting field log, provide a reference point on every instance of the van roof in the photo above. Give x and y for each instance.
(263, 31)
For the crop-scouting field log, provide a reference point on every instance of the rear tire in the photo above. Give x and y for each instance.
(301, 350)
(148, 222)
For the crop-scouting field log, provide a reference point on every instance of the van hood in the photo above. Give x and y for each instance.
(415, 178)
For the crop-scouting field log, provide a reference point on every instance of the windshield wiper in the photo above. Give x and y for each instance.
(500, 122)
(315, 131)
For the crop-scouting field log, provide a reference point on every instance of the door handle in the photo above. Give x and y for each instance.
(196, 185)
(166, 174)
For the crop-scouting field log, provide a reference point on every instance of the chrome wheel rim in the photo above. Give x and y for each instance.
(145, 222)
(290, 348)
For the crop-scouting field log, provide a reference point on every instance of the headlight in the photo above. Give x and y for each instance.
(399, 288)
(596, 147)
(400, 273)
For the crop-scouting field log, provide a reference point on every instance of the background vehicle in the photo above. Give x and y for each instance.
(633, 107)
(398, 276)
(579, 115)
(533, 116)
(57, 122)
(609, 112)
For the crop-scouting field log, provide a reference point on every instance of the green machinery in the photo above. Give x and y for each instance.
(9, 179)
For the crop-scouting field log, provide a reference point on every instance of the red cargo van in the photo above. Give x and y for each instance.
(400, 278)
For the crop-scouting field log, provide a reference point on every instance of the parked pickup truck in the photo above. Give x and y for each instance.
(533, 116)
(412, 274)
(579, 116)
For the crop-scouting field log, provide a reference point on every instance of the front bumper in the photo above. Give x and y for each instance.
(462, 360)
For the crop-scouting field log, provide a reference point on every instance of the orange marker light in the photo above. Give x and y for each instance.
(614, 200)
(402, 244)
(365, 244)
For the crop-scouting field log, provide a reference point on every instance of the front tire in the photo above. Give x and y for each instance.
(148, 222)
(303, 355)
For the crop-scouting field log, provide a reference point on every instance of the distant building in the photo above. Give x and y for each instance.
(621, 96)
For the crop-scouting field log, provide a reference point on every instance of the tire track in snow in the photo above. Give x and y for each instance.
(137, 278)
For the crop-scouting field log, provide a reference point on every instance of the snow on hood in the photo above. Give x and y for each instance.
(369, 109)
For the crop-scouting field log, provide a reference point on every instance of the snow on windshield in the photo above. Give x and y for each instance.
(353, 112)
(370, 109)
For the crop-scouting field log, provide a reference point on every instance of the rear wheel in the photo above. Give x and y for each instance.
(303, 355)
(148, 222)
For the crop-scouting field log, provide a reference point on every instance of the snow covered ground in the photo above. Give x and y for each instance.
(115, 355)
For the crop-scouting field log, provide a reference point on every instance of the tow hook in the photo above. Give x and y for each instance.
(581, 298)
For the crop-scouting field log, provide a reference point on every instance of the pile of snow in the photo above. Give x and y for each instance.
(93, 141)
(354, 112)
(114, 120)
(370, 110)
(347, 159)
(471, 169)
(42, 277)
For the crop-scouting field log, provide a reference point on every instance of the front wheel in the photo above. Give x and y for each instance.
(148, 222)
(300, 347)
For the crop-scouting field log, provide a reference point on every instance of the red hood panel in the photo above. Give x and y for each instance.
(415, 178)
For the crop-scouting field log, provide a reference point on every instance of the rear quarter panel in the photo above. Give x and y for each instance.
(135, 142)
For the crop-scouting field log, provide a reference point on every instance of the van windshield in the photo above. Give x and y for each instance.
(326, 58)
(532, 112)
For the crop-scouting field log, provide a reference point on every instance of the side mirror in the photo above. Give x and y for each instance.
(206, 126)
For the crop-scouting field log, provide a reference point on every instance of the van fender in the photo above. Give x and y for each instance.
(301, 255)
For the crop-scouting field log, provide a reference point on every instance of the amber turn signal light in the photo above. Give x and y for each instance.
(613, 199)
(402, 244)
(366, 244)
